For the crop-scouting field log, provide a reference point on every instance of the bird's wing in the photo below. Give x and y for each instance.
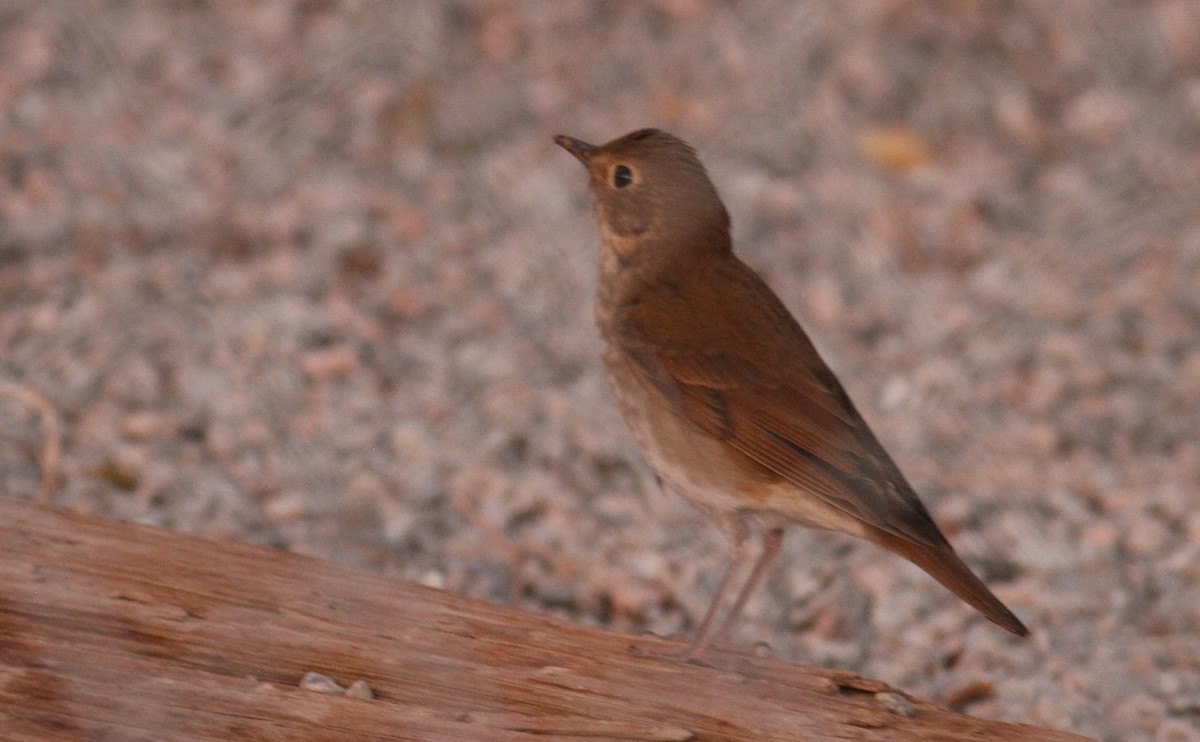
(744, 372)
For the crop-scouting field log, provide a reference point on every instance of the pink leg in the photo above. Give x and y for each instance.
(736, 530)
(772, 541)
(703, 635)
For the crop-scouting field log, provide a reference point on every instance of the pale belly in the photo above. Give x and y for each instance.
(708, 472)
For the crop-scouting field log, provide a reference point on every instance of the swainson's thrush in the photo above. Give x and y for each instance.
(725, 393)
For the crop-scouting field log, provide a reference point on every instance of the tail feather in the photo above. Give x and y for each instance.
(945, 566)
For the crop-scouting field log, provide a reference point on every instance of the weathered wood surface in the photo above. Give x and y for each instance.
(113, 631)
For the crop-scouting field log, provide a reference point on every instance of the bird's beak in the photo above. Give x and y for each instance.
(582, 150)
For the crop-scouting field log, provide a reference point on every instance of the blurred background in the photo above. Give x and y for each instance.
(313, 275)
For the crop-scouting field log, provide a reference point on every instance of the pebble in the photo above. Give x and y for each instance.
(319, 683)
(896, 703)
(360, 689)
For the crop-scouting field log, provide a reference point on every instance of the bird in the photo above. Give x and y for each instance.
(726, 395)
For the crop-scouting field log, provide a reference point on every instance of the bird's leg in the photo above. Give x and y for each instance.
(772, 541)
(735, 529)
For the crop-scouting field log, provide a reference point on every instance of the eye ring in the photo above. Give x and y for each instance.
(622, 176)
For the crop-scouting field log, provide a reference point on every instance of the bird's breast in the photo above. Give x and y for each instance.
(705, 470)
(708, 471)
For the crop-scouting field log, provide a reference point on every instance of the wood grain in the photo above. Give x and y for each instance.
(116, 631)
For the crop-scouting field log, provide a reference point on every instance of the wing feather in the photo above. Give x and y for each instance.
(754, 379)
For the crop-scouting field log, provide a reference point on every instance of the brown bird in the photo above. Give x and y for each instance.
(726, 395)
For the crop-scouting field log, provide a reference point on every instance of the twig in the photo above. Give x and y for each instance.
(52, 447)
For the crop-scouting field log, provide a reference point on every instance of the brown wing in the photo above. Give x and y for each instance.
(742, 370)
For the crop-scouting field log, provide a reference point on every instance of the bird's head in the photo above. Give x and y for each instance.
(650, 187)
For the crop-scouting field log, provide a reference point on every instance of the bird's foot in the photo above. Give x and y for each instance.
(714, 654)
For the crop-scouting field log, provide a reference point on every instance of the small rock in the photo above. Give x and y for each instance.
(142, 426)
(315, 681)
(360, 689)
(287, 507)
(1146, 536)
(896, 703)
(330, 363)
(896, 149)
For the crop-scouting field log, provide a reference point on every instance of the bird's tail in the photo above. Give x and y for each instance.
(941, 563)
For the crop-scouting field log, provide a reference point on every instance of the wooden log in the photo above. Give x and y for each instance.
(116, 631)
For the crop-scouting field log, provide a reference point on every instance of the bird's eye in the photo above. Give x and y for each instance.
(622, 176)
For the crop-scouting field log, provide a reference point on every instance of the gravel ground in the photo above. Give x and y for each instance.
(312, 274)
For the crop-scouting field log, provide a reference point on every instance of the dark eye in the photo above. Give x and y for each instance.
(622, 176)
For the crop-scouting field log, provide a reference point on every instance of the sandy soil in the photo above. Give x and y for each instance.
(312, 274)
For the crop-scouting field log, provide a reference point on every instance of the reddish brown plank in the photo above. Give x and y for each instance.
(117, 631)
